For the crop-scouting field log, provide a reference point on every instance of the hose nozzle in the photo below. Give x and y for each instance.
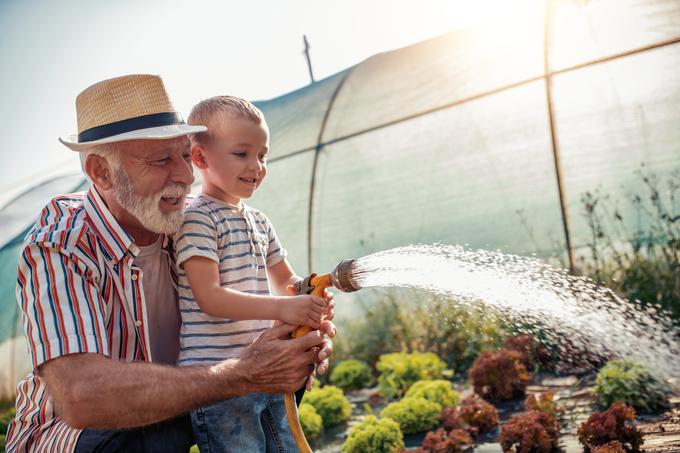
(342, 276)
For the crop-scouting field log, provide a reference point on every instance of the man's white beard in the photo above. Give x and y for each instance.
(147, 209)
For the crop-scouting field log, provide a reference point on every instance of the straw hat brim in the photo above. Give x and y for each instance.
(151, 133)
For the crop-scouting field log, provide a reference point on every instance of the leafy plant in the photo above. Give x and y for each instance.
(414, 415)
(374, 436)
(404, 320)
(611, 447)
(439, 391)
(544, 402)
(6, 417)
(615, 424)
(533, 353)
(633, 384)
(474, 415)
(352, 375)
(330, 403)
(442, 441)
(532, 432)
(398, 371)
(499, 375)
(310, 421)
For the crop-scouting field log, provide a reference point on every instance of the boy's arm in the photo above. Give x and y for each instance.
(204, 278)
(282, 275)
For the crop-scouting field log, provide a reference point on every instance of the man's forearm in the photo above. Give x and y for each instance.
(91, 391)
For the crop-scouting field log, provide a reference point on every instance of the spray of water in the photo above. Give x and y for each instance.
(573, 310)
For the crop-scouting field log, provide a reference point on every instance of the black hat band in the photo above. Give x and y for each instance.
(128, 125)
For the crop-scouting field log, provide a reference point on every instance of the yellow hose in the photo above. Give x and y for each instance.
(320, 283)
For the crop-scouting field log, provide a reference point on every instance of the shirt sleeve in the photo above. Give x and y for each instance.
(62, 307)
(197, 237)
(275, 252)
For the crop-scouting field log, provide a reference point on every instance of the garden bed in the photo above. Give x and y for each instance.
(661, 432)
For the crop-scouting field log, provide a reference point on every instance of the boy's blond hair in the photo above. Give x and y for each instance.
(205, 111)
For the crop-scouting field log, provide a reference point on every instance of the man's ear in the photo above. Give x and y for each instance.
(198, 157)
(99, 171)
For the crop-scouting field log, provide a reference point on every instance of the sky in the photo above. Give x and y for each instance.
(50, 51)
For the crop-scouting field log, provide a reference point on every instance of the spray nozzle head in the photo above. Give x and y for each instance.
(342, 276)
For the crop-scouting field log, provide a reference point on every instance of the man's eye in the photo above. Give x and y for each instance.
(163, 161)
(239, 153)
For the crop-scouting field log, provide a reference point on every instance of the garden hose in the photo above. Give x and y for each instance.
(342, 279)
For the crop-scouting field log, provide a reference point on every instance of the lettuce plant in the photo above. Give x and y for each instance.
(330, 403)
(414, 415)
(398, 371)
(351, 375)
(310, 421)
(474, 415)
(499, 376)
(374, 436)
(544, 402)
(615, 424)
(633, 384)
(531, 432)
(442, 441)
(439, 391)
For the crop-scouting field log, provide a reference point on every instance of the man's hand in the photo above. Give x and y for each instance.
(275, 363)
(326, 350)
(326, 327)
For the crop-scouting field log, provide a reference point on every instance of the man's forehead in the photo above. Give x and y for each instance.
(143, 147)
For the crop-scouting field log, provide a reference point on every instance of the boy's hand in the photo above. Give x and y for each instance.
(327, 297)
(303, 310)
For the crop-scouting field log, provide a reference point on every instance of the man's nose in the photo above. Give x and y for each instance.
(183, 172)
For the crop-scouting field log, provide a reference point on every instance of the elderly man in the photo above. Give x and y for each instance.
(96, 285)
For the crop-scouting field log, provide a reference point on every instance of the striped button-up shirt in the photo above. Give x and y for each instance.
(79, 291)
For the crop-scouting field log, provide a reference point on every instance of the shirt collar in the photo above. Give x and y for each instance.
(115, 239)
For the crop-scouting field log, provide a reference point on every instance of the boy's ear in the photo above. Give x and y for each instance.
(198, 157)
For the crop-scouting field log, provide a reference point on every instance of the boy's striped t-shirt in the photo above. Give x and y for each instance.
(242, 241)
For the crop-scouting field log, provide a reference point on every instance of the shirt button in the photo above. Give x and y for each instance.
(138, 323)
(134, 276)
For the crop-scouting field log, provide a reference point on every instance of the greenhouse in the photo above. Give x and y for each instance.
(489, 136)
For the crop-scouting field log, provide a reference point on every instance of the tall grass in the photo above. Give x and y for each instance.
(637, 256)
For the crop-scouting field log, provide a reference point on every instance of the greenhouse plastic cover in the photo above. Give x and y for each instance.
(449, 140)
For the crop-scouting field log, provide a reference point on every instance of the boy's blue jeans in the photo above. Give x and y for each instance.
(252, 423)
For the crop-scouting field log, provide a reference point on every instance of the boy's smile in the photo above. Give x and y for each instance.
(234, 162)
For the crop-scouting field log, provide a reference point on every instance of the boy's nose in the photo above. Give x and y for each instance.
(256, 164)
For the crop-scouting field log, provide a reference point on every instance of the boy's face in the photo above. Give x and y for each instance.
(236, 158)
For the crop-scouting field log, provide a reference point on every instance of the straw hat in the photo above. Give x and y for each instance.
(132, 107)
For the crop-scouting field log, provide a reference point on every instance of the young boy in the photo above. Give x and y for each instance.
(227, 256)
